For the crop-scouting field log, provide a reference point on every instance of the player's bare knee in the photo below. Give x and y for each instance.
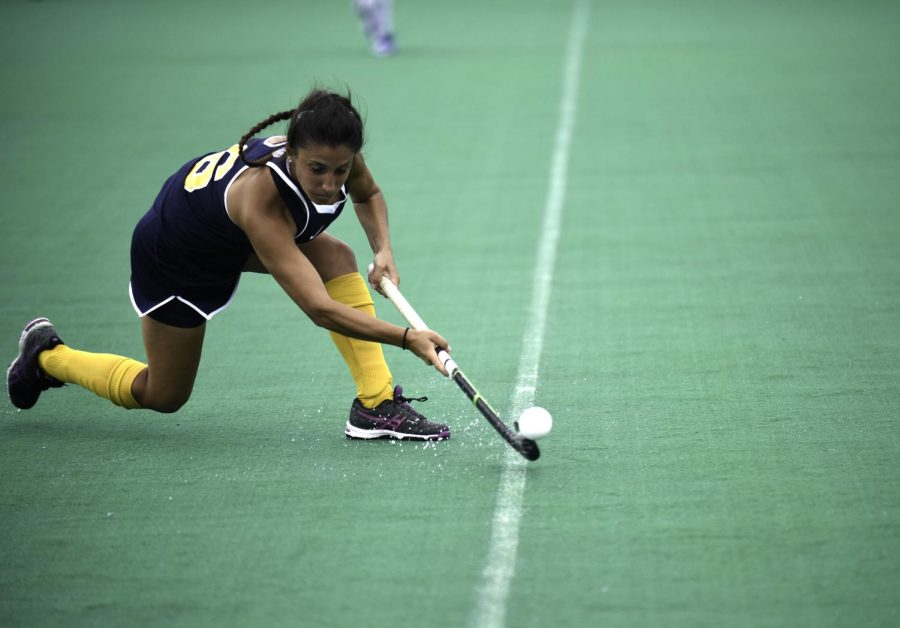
(166, 403)
(168, 406)
(331, 257)
(344, 259)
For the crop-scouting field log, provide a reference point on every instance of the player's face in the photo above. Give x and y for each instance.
(322, 170)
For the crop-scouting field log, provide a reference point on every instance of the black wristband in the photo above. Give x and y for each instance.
(403, 344)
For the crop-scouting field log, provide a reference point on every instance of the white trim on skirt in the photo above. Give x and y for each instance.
(183, 300)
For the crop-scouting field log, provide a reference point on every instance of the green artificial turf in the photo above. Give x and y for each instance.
(721, 351)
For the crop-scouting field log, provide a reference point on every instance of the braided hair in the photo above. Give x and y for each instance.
(323, 117)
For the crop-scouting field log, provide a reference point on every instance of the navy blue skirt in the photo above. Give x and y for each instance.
(173, 286)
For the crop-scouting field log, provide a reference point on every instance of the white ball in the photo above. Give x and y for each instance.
(534, 423)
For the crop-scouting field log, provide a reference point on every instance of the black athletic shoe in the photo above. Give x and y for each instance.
(393, 418)
(25, 381)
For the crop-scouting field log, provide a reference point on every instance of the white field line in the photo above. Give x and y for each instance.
(500, 564)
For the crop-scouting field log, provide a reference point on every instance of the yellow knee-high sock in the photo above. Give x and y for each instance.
(365, 360)
(109, 376)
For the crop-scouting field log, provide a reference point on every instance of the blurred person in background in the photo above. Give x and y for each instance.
(377, 18)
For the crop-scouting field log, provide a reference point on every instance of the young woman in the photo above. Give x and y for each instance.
(261, 205)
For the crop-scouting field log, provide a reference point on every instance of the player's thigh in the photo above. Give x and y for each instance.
(330, 256)
(173, 357)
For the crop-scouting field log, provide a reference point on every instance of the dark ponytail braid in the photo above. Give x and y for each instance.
(275, 117)
(322, 117)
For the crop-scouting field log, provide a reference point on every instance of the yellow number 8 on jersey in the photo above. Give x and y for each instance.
(202, 172)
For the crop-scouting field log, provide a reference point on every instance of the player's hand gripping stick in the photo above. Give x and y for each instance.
(525, 446)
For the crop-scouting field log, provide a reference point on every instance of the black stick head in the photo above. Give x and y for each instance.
(528, 448)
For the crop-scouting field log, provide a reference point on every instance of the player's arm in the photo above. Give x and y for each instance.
(371, 210)
(270, 230)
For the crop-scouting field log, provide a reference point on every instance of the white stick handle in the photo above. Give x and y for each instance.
(392, 292)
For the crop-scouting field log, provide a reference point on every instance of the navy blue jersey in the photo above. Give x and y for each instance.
(187, 247)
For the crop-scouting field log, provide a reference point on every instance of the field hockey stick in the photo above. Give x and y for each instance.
(525, 446)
